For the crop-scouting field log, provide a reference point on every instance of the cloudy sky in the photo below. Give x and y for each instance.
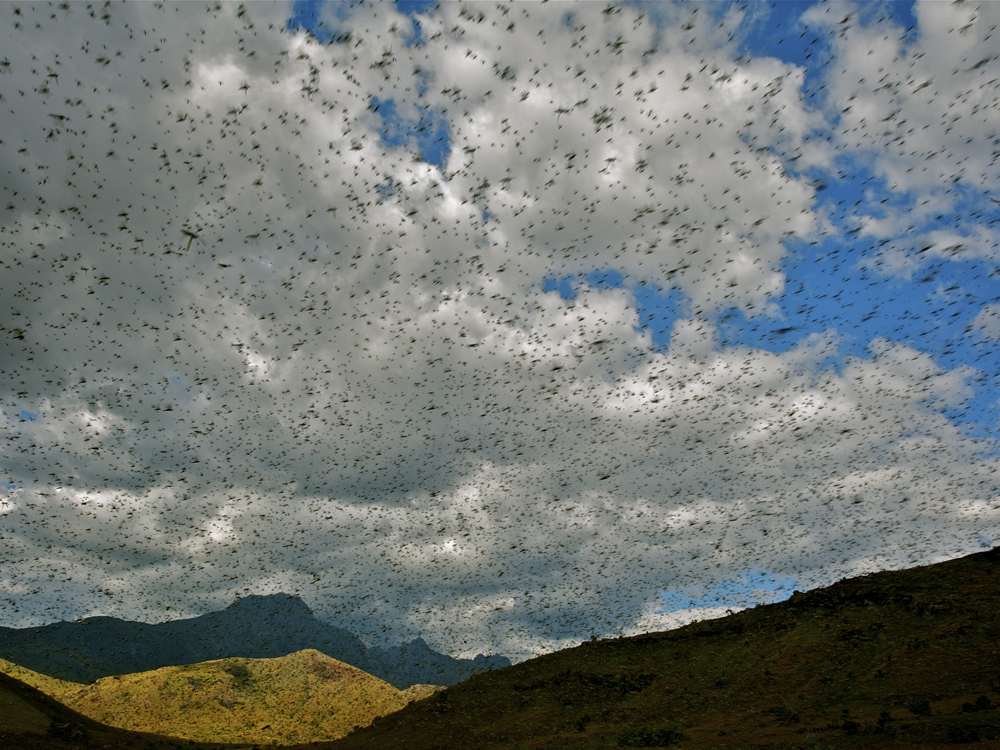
(502, 325)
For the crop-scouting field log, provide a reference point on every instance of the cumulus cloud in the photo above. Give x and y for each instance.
(270, 348)
(918, 109)
(988, 321)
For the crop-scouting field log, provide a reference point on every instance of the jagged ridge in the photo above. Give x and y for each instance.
(257, 627)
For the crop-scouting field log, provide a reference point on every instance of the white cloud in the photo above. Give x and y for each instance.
(988, 321)
(918, 114)
(376, 406)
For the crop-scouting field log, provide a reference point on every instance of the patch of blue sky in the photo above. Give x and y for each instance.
(605, 279)
(841, 284)
(414, 8)
(834, 286)
(826, 287)
(28, 416)
(563, 285)
(776, 29)
(324, 18)
(10, 486)
(320, 19)
(428, 133)
(658, 309)
(744, 590)
(570, 19)
(831, 287)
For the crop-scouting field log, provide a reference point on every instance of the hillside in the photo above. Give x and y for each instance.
(895, 659)
(304, 696)
(31, 720)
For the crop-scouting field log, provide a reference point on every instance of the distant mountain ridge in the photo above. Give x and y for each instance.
(882, 661)
(254, 627)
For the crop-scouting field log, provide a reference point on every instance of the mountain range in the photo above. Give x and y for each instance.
(255, 627)
(894, 659)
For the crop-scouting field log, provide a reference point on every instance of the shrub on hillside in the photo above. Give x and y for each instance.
(962, 734)
(783, 715)
(982, 704)
(882, 727)
(851, 727)
(643, 737)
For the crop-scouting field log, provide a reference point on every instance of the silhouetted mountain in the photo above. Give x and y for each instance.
(255, 627)
(416, 662)
(893, 659)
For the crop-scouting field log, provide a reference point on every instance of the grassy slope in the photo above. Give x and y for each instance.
(31, 717)
(301, 697)
(816, 671)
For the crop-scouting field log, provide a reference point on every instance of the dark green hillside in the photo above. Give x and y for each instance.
(31, 720)
(895, 659)
(891, 660)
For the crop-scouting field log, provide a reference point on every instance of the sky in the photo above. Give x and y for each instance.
(502, 325)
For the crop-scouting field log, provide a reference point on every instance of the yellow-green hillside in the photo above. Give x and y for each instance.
(302, 697)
